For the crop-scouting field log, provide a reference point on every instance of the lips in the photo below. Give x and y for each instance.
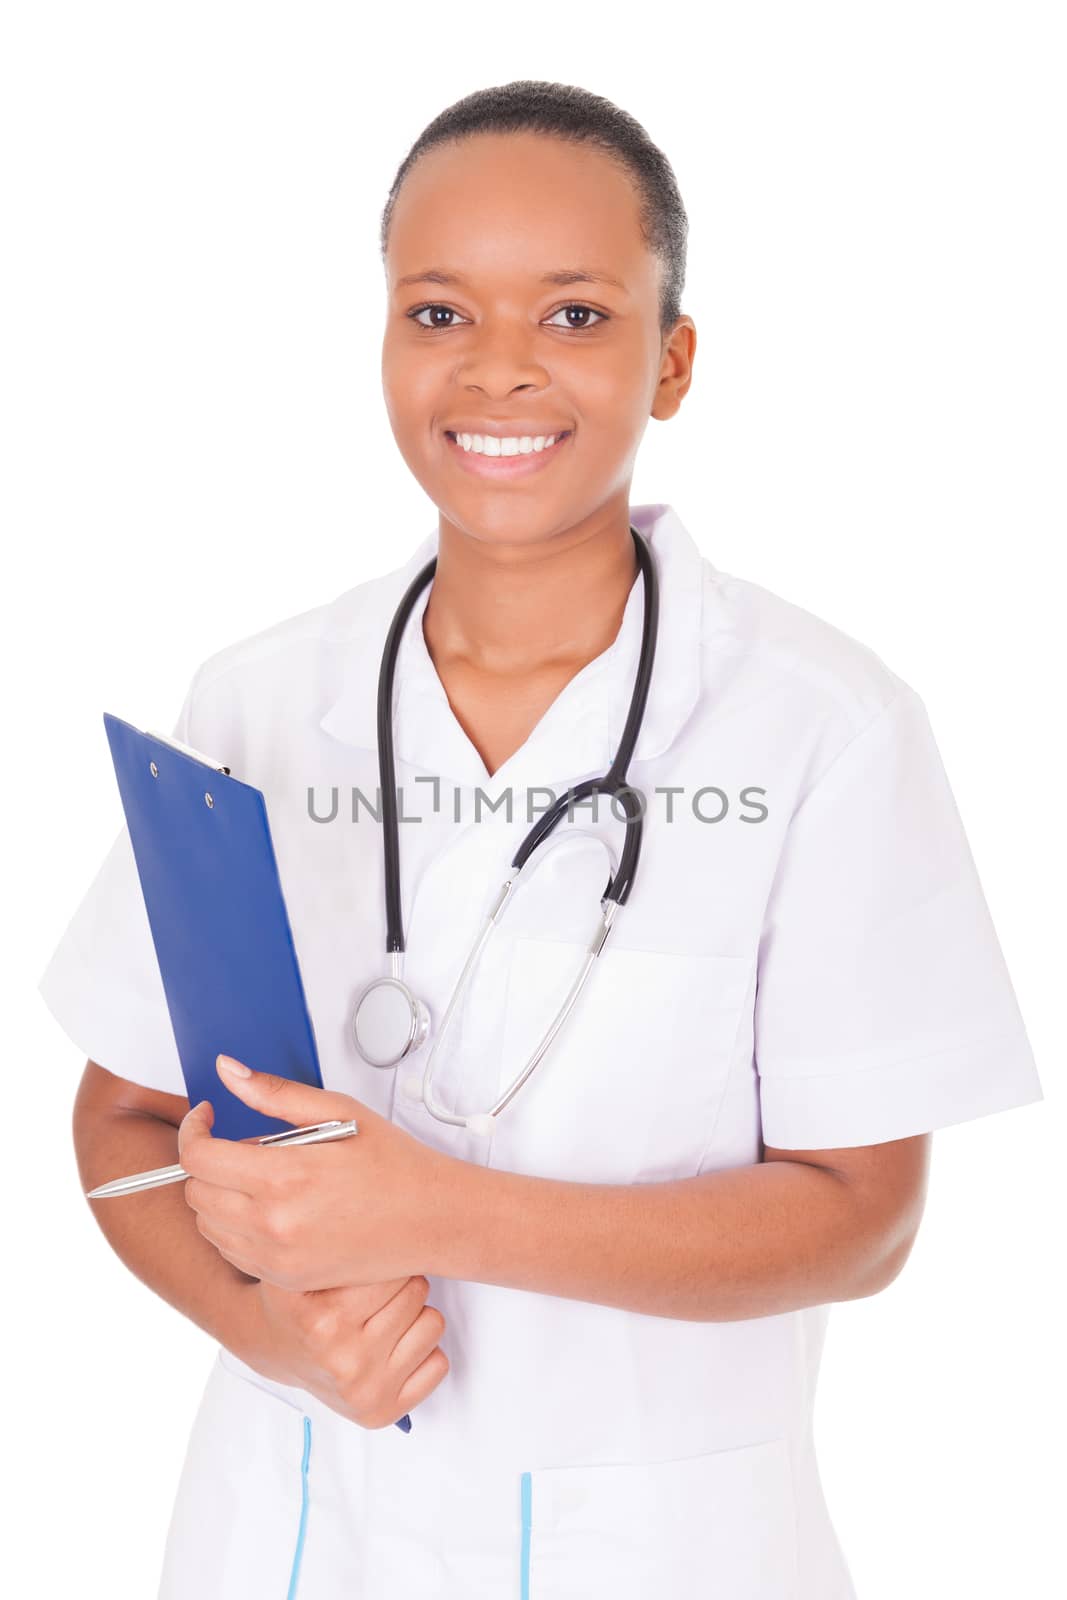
(540, 432)
(509, 428)
(505, 467)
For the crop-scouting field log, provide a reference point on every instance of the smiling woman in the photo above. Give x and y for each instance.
(518, 407)
(612, 1393)
(559, 263)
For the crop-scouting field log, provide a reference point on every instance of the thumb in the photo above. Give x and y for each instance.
(196, 1124)
(296, 1103)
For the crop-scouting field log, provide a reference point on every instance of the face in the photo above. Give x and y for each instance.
(509, 348)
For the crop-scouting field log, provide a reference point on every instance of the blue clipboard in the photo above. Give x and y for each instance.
(202, 844)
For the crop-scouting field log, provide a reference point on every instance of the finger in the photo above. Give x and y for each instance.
(368, 1298)
(225, 1208)
(242, 1263)
(415, 1344)
(355, 1302)
(231, 1245)
(295, 1103)
(204, 1156)
(229, 1163)
(423, 1380)
(195, 1126)
(392, 1320)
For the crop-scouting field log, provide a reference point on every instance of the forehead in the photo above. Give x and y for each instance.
(518, 204)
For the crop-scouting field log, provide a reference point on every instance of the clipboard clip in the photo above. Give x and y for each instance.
(187, 749)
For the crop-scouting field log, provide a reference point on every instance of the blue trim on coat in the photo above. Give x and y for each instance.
(524, 1559)
(294, 1575)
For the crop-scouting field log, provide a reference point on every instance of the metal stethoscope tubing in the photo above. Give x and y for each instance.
(387, 1005)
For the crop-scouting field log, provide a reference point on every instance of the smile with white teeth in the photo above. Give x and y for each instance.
(489, 444)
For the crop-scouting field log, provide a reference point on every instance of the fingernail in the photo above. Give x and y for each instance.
(237, 1068)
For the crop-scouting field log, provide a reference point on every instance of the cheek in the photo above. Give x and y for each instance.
(412, 380)
(616, 391)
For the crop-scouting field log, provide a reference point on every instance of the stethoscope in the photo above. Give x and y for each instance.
(390, 1022)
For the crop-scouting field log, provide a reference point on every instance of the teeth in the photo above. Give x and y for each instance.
(489, 444)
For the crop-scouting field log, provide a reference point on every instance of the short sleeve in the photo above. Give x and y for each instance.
(883, 1004)
(102, 981)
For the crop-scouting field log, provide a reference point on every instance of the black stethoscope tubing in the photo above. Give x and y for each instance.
(614, 782)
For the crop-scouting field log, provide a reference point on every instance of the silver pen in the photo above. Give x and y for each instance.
(314, 1133)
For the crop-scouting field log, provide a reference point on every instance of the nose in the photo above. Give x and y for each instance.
(502, 360)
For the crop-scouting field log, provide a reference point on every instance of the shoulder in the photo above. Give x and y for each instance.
(778, 648)
(284, 670)
(279, 646)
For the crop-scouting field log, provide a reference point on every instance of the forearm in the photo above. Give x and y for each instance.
(154, 1231)
(746, 1242)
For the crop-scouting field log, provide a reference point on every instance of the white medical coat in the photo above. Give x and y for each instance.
(806, 957)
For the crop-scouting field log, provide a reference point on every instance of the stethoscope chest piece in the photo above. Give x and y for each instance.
(389, 1023)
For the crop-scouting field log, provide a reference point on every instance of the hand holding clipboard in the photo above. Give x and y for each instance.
(205, 858)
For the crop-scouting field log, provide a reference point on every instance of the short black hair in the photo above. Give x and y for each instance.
(570, 113)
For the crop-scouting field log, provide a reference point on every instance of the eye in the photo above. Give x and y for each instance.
(579, 327)
(416, 315)
(434, 307)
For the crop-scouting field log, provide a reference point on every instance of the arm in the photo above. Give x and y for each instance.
(121, 1127)
(801, 1228)
(370, 1353)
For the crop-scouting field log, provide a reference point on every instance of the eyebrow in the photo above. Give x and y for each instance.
(562, 276)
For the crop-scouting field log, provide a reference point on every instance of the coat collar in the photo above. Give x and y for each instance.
(577, 736)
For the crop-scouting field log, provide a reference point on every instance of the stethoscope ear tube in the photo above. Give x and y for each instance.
(394, 1022)
(614, 782)
(394, 921)
(619, 884)
(616, 774)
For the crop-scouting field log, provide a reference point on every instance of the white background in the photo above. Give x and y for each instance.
(196, 446)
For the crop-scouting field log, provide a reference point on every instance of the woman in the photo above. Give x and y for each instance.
(605, 1308)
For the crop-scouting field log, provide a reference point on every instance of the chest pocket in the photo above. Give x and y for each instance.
(629, 1088)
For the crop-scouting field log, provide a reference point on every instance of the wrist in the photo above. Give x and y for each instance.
(457, 1200)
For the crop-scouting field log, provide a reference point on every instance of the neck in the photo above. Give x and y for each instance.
(506, 609)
